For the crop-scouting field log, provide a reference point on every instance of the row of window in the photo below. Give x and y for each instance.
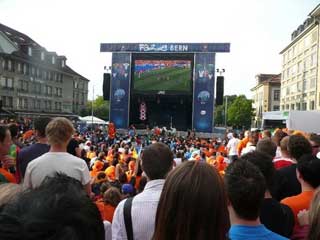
(42, 57)
(7, 101)
(300, 86)
(25, 103)
(299, 106)
(28, 69)
(300, 67)
(276, 96)
(300, 46)
(26, 86)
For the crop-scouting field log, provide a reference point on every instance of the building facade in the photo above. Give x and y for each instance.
(300, 82)
(36, 82)
(266, 96)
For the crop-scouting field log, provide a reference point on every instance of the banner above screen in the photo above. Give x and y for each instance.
(165, 47)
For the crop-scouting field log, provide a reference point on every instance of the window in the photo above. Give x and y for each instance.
(42, 56)
(24, 68)
(287, 106)
(292, 107)
(298, 106)
(9, 65)
(304, 84)
(313, 59)
(313, 82)
(276, 108)
(276, 95)
(25, 103)
(314, 36)
(304, 106)
(19, 67)
(30, 51)
(9, 82)
(312, 105)
(6, 82)
(53, 60)
(63, 63)
(7, 101)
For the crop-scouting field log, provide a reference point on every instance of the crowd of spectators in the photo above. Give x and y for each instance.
(58, 183)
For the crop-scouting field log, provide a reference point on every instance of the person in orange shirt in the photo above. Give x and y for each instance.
(97, 167)
(243, 142)
(111, 199)
(308, 169)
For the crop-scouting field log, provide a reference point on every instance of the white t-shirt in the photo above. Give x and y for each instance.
(232, 146)
(50, 163)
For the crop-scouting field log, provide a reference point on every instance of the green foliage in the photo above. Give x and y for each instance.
(240, 112)
(219, 112)
(100, 108)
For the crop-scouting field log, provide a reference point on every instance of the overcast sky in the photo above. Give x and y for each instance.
(257, 30)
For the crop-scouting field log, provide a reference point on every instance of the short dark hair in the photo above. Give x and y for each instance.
(267, 146)
(298, 146)
(245, 186)
(194, 196)
(315, 138)
(264, 162)
(40, 125)
(3, 132)
(157, 160)
(58, 209)
(13, 128)
(112, 196)
(309, 168)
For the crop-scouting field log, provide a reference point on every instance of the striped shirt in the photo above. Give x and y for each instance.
(143, 213)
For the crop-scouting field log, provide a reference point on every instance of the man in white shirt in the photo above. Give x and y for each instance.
(59, 132)
(156, 162)
(232, 147)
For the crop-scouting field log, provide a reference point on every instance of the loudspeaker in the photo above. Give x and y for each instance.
(219, 90)
(106, 86)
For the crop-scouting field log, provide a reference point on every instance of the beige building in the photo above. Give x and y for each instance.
(300, 82)
(266, 96)
(36, 82)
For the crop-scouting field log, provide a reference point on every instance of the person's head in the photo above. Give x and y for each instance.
(264, 163)
(298, 145)
(127, 189)
(266, 145)
(58, 209)
(40, 125)
(315, 143)
(314, 217)
(8, 191)
(112, 196)
(266, 134)
(245, 186)
(14, 130)
(59, 131)
(5, 140)
(254, 138)
(193, 195)
(157, 160)
(284, 146)
(308, 170)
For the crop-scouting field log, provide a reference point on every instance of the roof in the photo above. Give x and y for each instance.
(264, 79)
(22, 41)
(316, 11)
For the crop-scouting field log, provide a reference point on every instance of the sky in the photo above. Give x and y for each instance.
(257, 30)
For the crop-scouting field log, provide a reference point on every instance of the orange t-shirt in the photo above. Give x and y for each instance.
(10, 177)
(106, 211)
(298, 203)
(242, 144)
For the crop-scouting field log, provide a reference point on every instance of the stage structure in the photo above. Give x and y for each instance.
(163, 84)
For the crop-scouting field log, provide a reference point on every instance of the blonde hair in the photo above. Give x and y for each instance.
(314, 217)
(59, 131)
(8, 191)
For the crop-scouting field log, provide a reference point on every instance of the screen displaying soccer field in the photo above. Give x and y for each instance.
(162, 75)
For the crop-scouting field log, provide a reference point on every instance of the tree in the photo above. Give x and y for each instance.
(240, 112)
(219, 112)
(100, 108)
